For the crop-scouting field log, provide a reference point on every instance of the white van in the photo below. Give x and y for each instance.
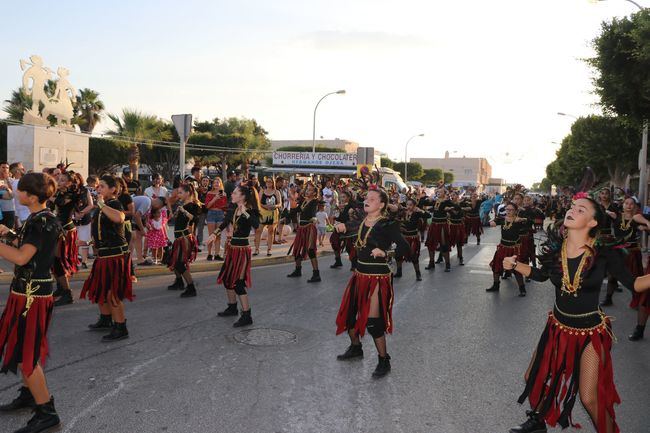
(390, 178)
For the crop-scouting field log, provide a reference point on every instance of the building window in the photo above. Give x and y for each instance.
(468, 171)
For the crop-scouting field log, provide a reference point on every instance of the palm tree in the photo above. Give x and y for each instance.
(88, 109)
(138, 128)
(17, 104)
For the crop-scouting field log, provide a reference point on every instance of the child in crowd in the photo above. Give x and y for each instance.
(323, 220)
(156, 233)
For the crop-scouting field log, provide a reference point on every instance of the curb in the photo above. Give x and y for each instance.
(202, 266)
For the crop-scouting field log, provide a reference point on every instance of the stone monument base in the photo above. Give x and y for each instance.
(38, 147)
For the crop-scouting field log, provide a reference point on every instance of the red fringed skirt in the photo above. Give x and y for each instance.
(184, 252)
(355, 305)
(553, 382)
(501, 253)
(639, 300)
(304, 241)
(526, 248)
(66, 262)
(473, 226)
(237, 263)
(348, 243)
(23, 334)
(414, 245)
(456, 234)
(109, 275)
(437, 235)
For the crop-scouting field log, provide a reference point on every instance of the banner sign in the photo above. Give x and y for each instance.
(309, 159)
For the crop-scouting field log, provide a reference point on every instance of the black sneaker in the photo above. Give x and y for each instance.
(460, 261)
(119, 332)
(353, 351)
(337, 264)
(522, 291)
(104, 322)
(607, 302)
(296, 273)
(189, 292)
(244, 320)
(231, 310)
(218, 257)
(45, 417)
(65, 299)
(398, 273)
(209, 258)
(532, 425)
(493, 288)
(84, 265)
(315, 277)
(178, 285)
(25, 400)
(430, 266)
(637, 334)
(383, 366)
(418, 276)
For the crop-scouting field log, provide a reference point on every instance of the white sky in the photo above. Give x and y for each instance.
(484, 78)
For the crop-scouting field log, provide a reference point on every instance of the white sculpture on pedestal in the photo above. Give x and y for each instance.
(59, 105)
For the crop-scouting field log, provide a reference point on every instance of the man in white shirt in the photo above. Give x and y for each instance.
(22, 212)
(156, 189)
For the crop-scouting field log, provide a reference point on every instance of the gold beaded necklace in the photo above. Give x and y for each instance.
(360, 243)
(507, 225)
(571, 287)
(624, 226)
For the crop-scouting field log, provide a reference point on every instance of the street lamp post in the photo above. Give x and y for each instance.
(568, 115)
(313, 137)
(406, 149)
(633, 2)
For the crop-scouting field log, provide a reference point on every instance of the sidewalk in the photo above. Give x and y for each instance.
(200, 265)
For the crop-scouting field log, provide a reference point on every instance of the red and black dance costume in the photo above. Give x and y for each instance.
(627, 237)
(371, 275)
(473, 224)
(508, 246)
(457, 234)
(235, 274)
(109, 281)
(184, 249)
(344, 241)
(26, 317)
(409, 225)
(438, 233)
(574, 349)
(67, 258)
(304, 244)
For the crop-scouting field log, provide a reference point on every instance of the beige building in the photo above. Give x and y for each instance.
(496, 185)
(345, 145)
(467, 171)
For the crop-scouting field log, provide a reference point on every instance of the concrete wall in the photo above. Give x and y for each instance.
(38, 147)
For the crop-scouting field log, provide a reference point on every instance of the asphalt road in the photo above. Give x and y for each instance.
(458, 359)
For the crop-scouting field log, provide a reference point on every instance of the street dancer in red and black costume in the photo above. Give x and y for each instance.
(27, 313)
(368, 298)
(345, 241)
(438, 233)
(109, 282)
(185, 247)
(473, 226)
(235, 274)
(508, 246)
(67, 259)
(626, 231)
(410, 220)
(573, 355)
(304, 244)
(457, 235)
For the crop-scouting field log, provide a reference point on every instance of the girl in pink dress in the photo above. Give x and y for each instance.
(157, 233)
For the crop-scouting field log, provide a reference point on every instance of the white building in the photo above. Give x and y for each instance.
(467, 171)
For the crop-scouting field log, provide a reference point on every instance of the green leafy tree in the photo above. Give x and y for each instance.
(387, 162)
(88, 110)
(431, 175)
(415, 170)
(17, 104)
(609, 145)
(448, 177)
(138, 129)
(622, 63)
(105, 155)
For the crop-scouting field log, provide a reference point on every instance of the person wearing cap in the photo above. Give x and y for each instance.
(132, 184)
